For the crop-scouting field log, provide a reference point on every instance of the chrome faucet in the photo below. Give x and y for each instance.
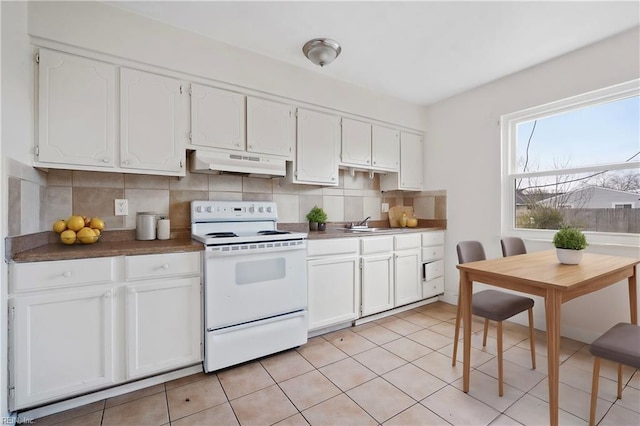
(364, 222)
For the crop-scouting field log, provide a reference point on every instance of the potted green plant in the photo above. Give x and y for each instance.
(570, 243)
(317, 219)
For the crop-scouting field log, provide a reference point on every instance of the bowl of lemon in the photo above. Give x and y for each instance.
(79, 229)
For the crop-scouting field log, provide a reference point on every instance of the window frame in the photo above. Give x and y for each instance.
(509, 174)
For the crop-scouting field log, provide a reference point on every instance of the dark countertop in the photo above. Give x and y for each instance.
(59, 251)
(45, 246)
(333, 232)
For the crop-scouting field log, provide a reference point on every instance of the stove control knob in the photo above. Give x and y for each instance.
(199, 209)
(269, 209)
(252, 209)
(261, 209)
(209, 209)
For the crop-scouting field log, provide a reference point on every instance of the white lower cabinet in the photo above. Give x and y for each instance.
(71, 332)
(63, 343)
(432, 264)
(333, 278)
(407, 277)
(162, 325)
(377, 283)
(377, 274)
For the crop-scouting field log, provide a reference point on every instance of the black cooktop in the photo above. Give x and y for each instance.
(221, 234)
(273, 232)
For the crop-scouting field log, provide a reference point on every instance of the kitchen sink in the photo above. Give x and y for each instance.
(371, 230)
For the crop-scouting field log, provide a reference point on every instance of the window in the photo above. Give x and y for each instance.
(574, 162)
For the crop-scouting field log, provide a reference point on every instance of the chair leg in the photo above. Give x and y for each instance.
(594, 390)
(486, 331)
(500, 387)
(456, 333)
(619, 381)
(532, 338)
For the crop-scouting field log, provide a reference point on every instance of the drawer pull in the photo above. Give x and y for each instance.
(165, 266)
(66, 274)
(107, 295)
(132, 291)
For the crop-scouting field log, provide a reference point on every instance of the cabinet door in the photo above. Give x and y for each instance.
(150, 125)
(271, 128)
(163, 325)
(385, 148)
(356, 143)
(334, 291)
(217, 118)
(317, 148)
(408, 277)
(410, 161)
(76, 110)
(63, 344)
(377, 284)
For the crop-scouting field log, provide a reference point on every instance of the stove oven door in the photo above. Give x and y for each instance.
(250, 282)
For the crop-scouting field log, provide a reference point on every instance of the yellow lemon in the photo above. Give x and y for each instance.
(96, 231)
(68, 237)
(59, 226)
(97, 223)
(87, 236)
(75, 223)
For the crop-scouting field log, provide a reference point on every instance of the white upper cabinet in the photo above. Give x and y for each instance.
(271, 128)
(356, 143)
(217, 118)
(410, 176)
(76, 110)
(150, 122)
(317, 149)
(385, 148)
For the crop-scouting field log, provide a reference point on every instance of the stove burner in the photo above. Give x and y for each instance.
(273, 232)
(221, 234)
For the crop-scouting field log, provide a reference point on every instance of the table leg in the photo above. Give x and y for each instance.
(633, 296)
(466, 289)
(553, 304)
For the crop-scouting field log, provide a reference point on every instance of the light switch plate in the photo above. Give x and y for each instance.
(385, 207)
(121, 207)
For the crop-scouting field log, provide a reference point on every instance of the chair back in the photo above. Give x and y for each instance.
(470, 251)
(512, 246)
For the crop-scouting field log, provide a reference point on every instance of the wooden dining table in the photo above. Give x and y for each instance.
(541, 274)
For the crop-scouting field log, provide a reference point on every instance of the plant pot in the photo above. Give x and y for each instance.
(569, 257)
(313, 226)
(322, 227)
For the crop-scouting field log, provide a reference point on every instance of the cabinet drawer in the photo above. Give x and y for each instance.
(334, 246)
(433, 270)
(433, 287)
(372, 245)
(406, 242)
(160, 265)
(61, 273)
(435, 238)
(432, 253)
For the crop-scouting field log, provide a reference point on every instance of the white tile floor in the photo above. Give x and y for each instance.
(394, 371)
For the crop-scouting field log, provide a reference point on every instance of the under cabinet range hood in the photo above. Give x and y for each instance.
(254, 165)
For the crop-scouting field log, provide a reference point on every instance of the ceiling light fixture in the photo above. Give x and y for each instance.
(321, 51)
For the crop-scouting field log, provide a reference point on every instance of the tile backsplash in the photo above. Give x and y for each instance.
(37, 199)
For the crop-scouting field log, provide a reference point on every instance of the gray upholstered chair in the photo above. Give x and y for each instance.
(620, 344)
(492, 305)
(512, 246)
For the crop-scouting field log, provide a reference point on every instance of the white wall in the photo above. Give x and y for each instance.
(106, 29)
(463, 158)
(17, 125)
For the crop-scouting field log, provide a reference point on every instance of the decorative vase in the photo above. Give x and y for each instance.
(313, 226)
(322, 226)
(569, 257)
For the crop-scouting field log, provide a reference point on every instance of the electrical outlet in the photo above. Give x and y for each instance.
(385, 207)
(121, 206)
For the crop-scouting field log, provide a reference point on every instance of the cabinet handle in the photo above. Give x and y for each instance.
(126, 162)
(105, 160)
(132, 291)
(66, 274)
(250, 146)
(107, 295)
(165, 266)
